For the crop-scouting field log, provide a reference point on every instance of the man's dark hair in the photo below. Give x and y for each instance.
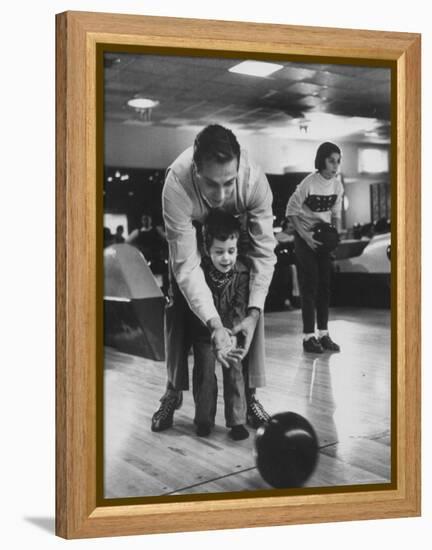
(220, 225)
(215, 143)
(325, 150)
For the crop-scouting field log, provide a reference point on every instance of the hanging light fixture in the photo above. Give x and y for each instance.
(143, 106)
(304, 125)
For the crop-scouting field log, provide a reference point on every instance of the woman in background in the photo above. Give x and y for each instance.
(317, 199)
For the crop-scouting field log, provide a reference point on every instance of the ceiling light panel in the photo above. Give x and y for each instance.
(255, 68)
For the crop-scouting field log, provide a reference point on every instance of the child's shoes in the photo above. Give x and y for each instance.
(238, 433)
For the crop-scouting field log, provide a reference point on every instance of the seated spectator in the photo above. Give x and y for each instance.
(118, 237)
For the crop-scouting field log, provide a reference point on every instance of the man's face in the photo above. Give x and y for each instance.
(223, 254)
(217, 180)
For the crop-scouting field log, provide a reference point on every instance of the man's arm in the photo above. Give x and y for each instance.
(185, 263)
(185, 259)
(262, 241)
(261, 254)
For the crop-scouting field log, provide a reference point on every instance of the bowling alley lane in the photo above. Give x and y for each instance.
(345, 396)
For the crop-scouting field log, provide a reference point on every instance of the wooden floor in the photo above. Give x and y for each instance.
(346, 397)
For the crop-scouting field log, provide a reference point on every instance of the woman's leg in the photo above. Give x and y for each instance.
(323, 293)
(322, 304)
(308, 280)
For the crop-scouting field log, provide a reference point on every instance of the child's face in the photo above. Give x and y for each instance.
(332, 164)
(223, 254)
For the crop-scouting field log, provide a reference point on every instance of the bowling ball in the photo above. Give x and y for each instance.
(327, 235)
(286, 450)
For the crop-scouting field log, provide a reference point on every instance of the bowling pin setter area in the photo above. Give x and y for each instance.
(345, 397)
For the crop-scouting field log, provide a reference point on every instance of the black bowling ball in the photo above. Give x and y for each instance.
(286, 450)
(327, 235)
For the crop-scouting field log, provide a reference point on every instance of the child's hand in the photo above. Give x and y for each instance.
(222, 344)
(234, 358)
(235, 354)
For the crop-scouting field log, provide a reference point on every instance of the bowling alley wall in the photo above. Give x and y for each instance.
(144, 152)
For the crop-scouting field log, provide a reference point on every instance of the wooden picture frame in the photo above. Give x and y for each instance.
(78, 297)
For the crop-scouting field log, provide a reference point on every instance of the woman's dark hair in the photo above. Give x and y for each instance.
(220, 225)
(323, 152)
(215, 143)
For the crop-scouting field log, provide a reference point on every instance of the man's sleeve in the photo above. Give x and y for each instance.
(260, 229)
(183, 250)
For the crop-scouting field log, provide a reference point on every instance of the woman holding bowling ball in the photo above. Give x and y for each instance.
(317, 200)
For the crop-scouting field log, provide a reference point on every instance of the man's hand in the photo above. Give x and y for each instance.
(246, 329)
(235, 354)
(221, 341)
(222, 345)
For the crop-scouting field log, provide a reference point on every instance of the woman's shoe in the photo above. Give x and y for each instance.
(328, 344)
(311, 345)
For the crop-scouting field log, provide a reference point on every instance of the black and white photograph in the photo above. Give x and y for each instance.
(247, 275)
(113, 433)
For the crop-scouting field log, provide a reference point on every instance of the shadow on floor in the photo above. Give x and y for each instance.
(47, 524)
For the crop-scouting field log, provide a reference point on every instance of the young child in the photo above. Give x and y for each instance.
(228, 280)
(317, 199)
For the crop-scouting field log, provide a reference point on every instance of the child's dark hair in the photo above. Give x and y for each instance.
(217, 144)
(323, 152)
(220, 225)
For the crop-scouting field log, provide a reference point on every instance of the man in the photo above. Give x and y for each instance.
(215, 173)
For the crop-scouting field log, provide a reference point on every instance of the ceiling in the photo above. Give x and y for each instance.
(301, 100)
